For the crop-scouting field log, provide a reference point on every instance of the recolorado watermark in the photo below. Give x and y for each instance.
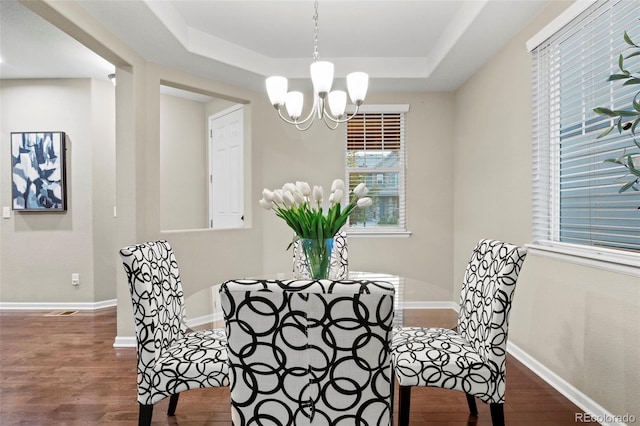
(605, 418)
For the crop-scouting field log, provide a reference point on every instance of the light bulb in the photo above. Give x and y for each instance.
(294, 103)
(277, 90)
(337, 103)
(357, 84)
(322, 77)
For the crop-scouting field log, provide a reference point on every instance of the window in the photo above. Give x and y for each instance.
(375, 155)
(576, 199)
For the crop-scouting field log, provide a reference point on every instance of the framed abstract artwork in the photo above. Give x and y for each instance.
(38, 171)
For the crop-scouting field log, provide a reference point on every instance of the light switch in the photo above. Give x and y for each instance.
(6, 212)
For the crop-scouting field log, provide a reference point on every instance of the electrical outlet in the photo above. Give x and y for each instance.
(75, 279)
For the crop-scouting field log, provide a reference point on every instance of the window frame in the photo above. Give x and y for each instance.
(387, 231)
(617, 260)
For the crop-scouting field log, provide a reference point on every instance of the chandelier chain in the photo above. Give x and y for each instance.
(316, 55)
(328, 106)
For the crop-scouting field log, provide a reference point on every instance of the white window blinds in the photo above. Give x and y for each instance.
(576, 197)
(375, 155)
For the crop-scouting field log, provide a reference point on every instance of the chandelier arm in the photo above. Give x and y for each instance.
(310, 116)
(333, 124)
(341, 120)
(304, 128)
(295, 122)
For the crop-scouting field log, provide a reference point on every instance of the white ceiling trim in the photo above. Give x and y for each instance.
(212, 47)
(207, 45)
(456, 29)
(200, 43)
(411, 45)
(171, 19)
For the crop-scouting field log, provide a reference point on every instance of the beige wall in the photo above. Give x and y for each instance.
(40, 251)
(103, 188)
(205, 256)
(184, 200)
(317, 156)
(580, 322)
(184, 161)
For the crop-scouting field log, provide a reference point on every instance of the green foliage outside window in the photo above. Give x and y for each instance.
(626, 119)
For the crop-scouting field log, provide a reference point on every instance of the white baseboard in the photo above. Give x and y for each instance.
(431, 305)
(205, 319)
(125, 342)
(57, 306)
(130, 341)
(595, 411)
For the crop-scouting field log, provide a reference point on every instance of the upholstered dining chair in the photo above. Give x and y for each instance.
(339, 267)
(305, 352)
(471, 359)
(170, 358)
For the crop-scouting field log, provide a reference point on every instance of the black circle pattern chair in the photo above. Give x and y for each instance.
(304, 352)
(170, 358)
(471, 359)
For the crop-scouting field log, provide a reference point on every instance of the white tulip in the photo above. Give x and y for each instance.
(288, 199)
(317, 194)
(277, 196)
(337, 184)
(265, 204)
(304, 188)
(298, 197)
(267, 195)
(360, 190)
(337, 196)
(364, 202)
(289, 187)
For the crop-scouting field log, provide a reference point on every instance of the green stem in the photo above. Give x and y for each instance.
(318, 253)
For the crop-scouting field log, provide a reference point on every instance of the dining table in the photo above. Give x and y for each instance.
(203, 308)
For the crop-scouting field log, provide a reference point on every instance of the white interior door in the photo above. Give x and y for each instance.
(226, 174)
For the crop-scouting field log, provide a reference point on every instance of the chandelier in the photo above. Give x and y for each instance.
(322, 79)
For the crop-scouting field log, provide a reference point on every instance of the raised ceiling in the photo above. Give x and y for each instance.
(403, 45)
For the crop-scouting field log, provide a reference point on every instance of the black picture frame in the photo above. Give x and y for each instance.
(38, 171)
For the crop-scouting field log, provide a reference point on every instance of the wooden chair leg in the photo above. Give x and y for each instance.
(471, 401)
(497, 414)
(144, 417)
(392, 394)
(173, 403)
(404, 398)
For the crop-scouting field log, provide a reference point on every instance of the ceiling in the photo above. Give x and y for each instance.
(416, 45)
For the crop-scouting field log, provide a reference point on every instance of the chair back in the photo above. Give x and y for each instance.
(486, 296)
(309, 352)
(340, 256)
(157, 297)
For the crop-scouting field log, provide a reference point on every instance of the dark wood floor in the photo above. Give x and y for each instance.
(63, 370)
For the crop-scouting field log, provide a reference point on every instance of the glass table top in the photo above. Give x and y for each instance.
(203, 306)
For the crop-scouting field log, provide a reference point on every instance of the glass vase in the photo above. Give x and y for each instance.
(313, 258)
